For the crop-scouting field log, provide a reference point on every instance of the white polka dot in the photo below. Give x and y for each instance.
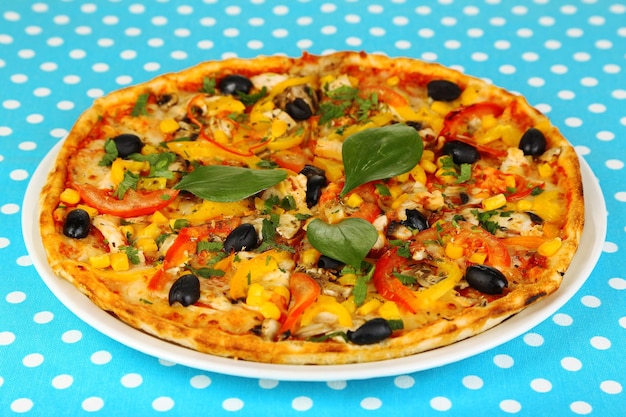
(15, 297)
(71, 336)
(185, 10)
(100, 67)
(429, 56)
(129, 53)
(33, 360)
(600, 342)
(610, 247)
(452, 44)
(5, 39)
(10, 209)
(33, 30)
(611, 69)
(448, 21)
(124, 79)
(510, 406)
(165, 363)
(375, 31)
(205, 44)
(150, 66)
(231, 32)
(404, 381)
(55, 41)
(590, 301)
(62, 381)
(105, 42)
(22, 405)
(337, 385)
(65, 105)
(423, 10)
(536, 82)
(519, 10)
(573, 122)
(40, 7)
(597, 108)
(571, 364)
(83, 30)
(95, 93)
(71, 79)
(611, 387)
(400, 21)
(621, 196)
(101, 357)
(5, 131)
(77, 54)
(566, 95)
(353, 41)
(307, 20)
(255, 44)
(552, 44)
(617, 283)
(11, 104)
(605, 135)
(574, 32)
(426, 33)
(614, 164)
(256, 21)
(371, 403)
(281, 10)
(472, 382)
(533, 339)
(132, 32)
(88, 8)
(27, 146)
(137, 8)
(232, 404)
(92, 404)
(110, 20)
(541, 385)
(440, 403)
(26, 53)
(163, 404)
(18, 175)
(524, 33)
(530, 56)
(6, 338)
(589, 82)
(581, 407)
(280, 33)
(182, 32)
(503, 361)
(24, 261)
(41, 92)
(402, 44)
(43, 317)
(19, 78)
(208, 21)
(131, 380)
(622, 322)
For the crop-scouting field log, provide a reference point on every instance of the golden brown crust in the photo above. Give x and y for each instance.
(210, 337)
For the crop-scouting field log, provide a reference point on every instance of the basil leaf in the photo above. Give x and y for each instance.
(348, 241)
(226, 183)
(379, 153)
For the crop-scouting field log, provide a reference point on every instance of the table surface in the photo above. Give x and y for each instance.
(567, 58)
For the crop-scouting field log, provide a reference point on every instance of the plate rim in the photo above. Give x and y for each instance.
(592, 239)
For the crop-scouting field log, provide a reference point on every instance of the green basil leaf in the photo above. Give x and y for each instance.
(226, 183)
(348, 241)
(379, 153)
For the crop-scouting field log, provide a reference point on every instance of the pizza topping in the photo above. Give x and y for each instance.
(234, 84)
(461, 153)
(486, 279)
(243, 237)
(133, 204)
(443, 90)
(348, 241)
(77, 224)
(372, 331)
(185, 290)
(533, 142)
(127, 144)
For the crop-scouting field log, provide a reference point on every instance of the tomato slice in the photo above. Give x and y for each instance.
(459, 118)
(134, 203)
(291, 160)
(390, 287)
(384, 94)
(304, 291)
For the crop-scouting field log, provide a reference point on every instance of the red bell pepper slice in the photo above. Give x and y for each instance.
(304, 291)
(133, 204)
(390, 287)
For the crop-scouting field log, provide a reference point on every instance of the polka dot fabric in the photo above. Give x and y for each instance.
(567, 57)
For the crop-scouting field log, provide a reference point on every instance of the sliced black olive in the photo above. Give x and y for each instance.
(443, 90)
(167, 100)
(464, 197)
(329, 263)
(298, 109)
(370, 332)
(314, 186)
(535, 218)
(185, 290)
(127, 144)
(415, 220)
(486, 279)
(242, 237)
(309, 170)
(77, 224)
(232, 84)
(533, 142)
(461, 152)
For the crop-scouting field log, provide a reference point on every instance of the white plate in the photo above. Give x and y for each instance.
(581, 267)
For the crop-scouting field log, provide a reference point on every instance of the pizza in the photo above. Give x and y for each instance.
(331, 209)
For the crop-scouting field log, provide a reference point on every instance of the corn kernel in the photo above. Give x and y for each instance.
(524, 205)
(347, 279)
(158, 217)
(494, 202)
(478, 258)
(146, 244)
(168, 125)
(453, 250)
(152, 231)
(119, 262)
(389, 311)
(269, 310)
(101, 261)
(397, 202)
(70, 196)
(428, 166)
(550, 247)
(545, 170)
(310, 257)
(256, 295)
(127, 230)
(354, 200)
(419, 174)
(403, 177)
(369, 307)
(93, 212)
(445, 176)
(392, 81)
(509, 181)
(349, 305)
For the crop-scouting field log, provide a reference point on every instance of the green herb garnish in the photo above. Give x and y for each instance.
(140, 107)
(348, 241)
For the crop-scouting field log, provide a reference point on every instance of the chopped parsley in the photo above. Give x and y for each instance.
(132, 253)
(208, 85)
(140, 107)
(110, 155)
(129, 181)
(159, 163)
(250, 99)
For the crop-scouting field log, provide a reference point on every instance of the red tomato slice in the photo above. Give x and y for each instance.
(291, 160)
(390, 287)
(134, 203)
(384, 94)
(459, 118)
(304, 291)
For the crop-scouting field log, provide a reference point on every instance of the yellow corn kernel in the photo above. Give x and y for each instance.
(524, 205)
(148, 149)
(347, 279)
(279, 127)
(310, 257)
(397, 202)
(152, 231)
(119, 261)
(168, 125)
(389, 311)
(446, 176)
(419, 173)
(349, 305)
(93, 212)
(70, 196)
(545, 170)
(478, 258)
(494, 202)
(101, 261)
(158, 217)
(369, 307)
(402, 177)
(428, 166)
(354, 200)
(283, 292)
(127, 230)
(550, 247)
(441, 107)
(453, 250)
(257, 295)
(392, 81)
(59, 214)
(395, 191)
(146, 244)
(269, 310)
(509, 181)
(428, 155)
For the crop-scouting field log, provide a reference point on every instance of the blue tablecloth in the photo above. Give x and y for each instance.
(567, 58)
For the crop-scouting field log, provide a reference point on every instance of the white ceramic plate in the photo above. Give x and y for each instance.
(581, 267)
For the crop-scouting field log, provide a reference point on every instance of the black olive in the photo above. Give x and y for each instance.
(415, 220)
(535, 218)
(242, 237)
(443, 90)
(309, 170)
(533, 142)
(77, 224)
(314, 185)
(232, 84)
(461, 152)
(370, 332)
(298, 109)
(327, 262)
(415, 125)
(127, 144)
(185, 290)
(486, 279)
(464, 197)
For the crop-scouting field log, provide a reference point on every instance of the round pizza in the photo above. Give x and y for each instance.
(315, 210)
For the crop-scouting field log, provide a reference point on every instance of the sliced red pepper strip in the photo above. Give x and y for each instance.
(384, 94)
(304, 291)
(390, 287)
(133, 204)
(460, 117)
